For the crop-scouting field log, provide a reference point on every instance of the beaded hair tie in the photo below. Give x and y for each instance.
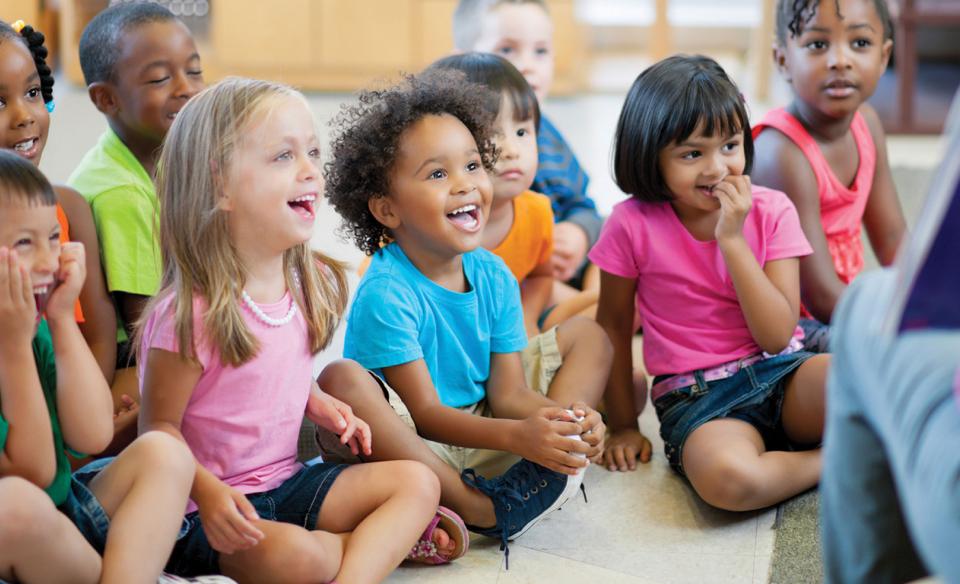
(18, 26)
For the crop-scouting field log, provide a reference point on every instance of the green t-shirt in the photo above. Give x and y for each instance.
(126, 211)
(47, 370)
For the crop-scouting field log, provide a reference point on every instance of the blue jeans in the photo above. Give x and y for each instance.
(890, 497)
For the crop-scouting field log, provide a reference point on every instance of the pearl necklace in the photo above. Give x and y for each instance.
(266, 318)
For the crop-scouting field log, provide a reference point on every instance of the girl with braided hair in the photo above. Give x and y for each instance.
(827, 149)
(26, 101)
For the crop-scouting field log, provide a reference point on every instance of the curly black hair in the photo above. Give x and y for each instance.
(793, 16)
(366, 140)
(34, 41)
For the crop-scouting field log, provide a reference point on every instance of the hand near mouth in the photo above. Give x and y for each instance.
(18, 309)
(736, 198)
(70, 276)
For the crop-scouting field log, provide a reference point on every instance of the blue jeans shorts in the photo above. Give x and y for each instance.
(754, 394)
(296, 501)
(83, 509)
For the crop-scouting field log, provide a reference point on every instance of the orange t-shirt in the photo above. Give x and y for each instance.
(529, 243)
(65, 237)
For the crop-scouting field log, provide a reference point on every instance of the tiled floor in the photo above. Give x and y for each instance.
(642, 527)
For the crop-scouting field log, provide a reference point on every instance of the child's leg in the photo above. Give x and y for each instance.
(395, 440)
(144, 492)
(729, 467)
(37, 542)
(386, 506)
(287, 553)
(804, 401)
(587, 356)
(582, 304)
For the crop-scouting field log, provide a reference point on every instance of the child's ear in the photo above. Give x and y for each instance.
(384, 211)
(886, 51)
(780, 60)
(104, 97)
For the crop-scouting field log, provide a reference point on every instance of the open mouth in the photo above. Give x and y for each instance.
(27, 148)
(41, 295)
(466, 217)
(707, 190)
(304, 206)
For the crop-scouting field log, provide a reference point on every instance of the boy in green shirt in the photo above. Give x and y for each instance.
(55, 526)
(141, 66)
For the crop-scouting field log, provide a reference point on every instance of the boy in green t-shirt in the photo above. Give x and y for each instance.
(141, 66)
(55, 526)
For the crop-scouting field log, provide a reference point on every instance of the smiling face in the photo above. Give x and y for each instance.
(439, 191)
(523, 35)
(835, 62)
(517, 165)
(24, 121)
(693, 167)
(34, 233)
(157, 71)
(274, 184)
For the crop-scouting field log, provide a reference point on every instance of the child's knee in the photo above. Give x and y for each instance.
(732, 484)
(582, 334)
(162, 452)
(345, 377)
(416, 479)
(26, 513)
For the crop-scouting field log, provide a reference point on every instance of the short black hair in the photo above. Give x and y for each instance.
(793, 16)
(366, 141)
(21, 181)
(34, 41)
(500, 76)
(664, 106)
(100, 40)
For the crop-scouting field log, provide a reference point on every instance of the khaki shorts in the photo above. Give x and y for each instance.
(541, 360)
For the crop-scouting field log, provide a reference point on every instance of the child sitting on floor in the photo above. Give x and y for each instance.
(710, 261)
(827, 150)
(520, 227)
(226, 358)
(440, 319)
(116, 520)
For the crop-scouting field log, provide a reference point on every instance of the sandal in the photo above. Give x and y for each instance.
(425, 551)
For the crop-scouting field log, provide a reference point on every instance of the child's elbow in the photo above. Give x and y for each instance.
(773, 344)
(41, 474)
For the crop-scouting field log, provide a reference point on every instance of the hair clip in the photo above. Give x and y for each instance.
(50, 105)
(18, 26)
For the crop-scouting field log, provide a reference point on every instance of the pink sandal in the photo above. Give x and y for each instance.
(426, 552)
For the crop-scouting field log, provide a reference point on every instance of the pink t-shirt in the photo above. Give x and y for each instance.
(691, 316)
(242, 423)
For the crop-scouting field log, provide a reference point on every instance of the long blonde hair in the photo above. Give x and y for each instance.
(198, 254)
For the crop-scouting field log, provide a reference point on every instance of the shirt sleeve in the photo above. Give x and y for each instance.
(126, 224)
(508, 332)
(616, 251)
(785, 238)
(384, 324)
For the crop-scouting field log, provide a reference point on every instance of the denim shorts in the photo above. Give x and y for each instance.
(296, 501)
(84, 509)
(754, 394)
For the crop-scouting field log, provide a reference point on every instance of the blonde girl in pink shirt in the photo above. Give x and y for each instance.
(711, 263)
(227, 350)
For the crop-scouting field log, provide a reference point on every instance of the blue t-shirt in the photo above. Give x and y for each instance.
(399, 315)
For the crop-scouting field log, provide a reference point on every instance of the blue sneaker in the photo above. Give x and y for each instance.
(521, 497)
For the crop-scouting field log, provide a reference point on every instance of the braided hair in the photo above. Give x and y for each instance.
(794, 15)
(33, 39)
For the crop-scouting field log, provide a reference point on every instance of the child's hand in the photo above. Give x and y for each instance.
(72, 272)
(592, 430)
(735, 198)
(332, 414)
(18, 308)
(126, 413)
(623, 448)
(543, 439)
(227, 518)
(570, 245)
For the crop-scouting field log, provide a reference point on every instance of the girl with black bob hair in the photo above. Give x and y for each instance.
(711, 264)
